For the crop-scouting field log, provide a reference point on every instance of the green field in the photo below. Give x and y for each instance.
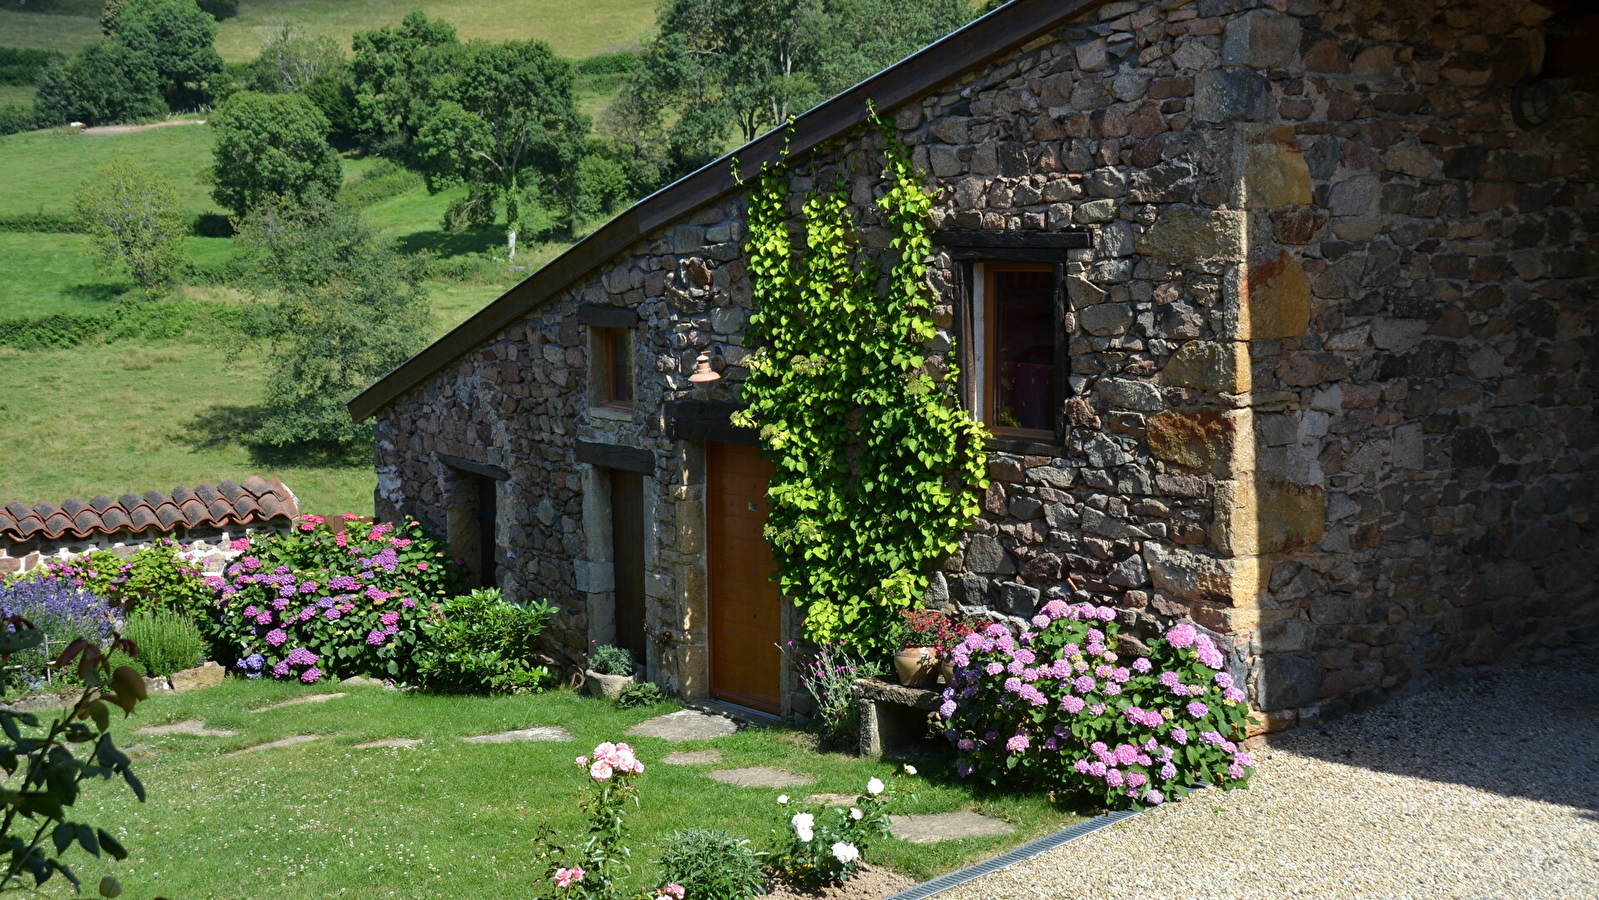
(572, 29)
(43, 168)
(16, 93)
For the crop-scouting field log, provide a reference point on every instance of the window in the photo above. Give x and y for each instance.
(616, 367)
(1018, 372)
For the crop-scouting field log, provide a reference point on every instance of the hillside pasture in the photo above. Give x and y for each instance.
(44, 168)
(37, 26)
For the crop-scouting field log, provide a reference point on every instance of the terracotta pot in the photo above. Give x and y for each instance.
(916, 666)
(946, 670)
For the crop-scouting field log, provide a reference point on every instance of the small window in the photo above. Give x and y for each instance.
(616, 361)
(1015, 327)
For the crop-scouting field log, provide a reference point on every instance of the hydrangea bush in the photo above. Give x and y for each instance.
(318, 602)
(158, 576)
(1059, 705)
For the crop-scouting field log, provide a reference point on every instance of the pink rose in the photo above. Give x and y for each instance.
(568, 877)
(600, 771)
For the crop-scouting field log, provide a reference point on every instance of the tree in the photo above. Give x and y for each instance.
(272, 145)
(391, 75)
(110, 82)
(290, 61)
(507, 127)
(342, 308)
(135, 220)
(181, 40)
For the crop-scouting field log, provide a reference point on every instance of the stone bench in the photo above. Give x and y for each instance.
(894, 717)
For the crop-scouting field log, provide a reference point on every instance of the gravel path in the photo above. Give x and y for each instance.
(1478, 791)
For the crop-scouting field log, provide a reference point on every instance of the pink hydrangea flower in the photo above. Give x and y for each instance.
(1017, 743)
(1182, 636)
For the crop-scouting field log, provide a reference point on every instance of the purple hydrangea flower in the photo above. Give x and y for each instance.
(1141, 665)
(1198, 710)
(300, 656)
(281, 670)
(390, 618)
(332, 614)
(310, 676)
(375, 638)
(1083, 684)
(276, 637)
(1017, 743)
(1168, 771)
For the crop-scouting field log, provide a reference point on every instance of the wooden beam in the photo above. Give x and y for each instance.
(707, 420)
(476, 468)
(615, 456)
(1006, 28)
(601, 316)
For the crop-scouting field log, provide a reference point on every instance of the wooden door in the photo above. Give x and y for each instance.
(627, 555)
(745, 604)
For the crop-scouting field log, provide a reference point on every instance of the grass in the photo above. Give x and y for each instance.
(447, 818)
(572, 29)
(43, 168)
(47, 274)
(16, 93)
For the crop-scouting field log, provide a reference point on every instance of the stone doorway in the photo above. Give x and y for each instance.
(745, 604)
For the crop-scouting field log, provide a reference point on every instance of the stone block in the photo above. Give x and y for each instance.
(1267, 514)
(1017, 599)
(1284, 682)
(1355, 196)
(1131, 393)
(985, 556)
(1200, 577)
(1106, 319)
(1274, 170)
(1221, 366)
(1287, 636)
(1209, 440)
(204, 676)
(593, 577)
(1261, 40)
(1229, 96)
(1276, 299)
(1409, 452)
(1185, 233)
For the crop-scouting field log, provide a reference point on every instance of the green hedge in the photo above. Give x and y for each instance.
(148, 320)
(20, 67)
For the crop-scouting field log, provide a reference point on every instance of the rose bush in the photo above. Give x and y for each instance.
(611, 770)
(824, 845)
(317, 601)
(1060, 706)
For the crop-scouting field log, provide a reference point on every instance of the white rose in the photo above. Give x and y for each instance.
(782, 798)
(855, 813)
(803, 823)
(845, 853)
(804, 834)
(910, 770)
(874, 787)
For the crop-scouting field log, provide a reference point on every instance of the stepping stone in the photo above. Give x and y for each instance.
(280, 742)
(685, 725)
(361, 681)
(541, 733)
(760, 776)
(693, 758)
(945, 827)
(187, 726)
(831, 799)
(313, 698)
(389, 742)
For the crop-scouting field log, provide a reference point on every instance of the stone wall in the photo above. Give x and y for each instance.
(1328, 391)
(207, 546)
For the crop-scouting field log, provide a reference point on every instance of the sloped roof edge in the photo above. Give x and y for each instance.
(1002, 30)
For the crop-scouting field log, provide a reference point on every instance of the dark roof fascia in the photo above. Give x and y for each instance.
(1001, 31)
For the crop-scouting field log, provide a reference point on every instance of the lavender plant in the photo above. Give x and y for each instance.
(61, 612)
(829, 676)
(1058, 705)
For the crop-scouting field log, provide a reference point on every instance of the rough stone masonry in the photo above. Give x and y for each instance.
(1331, 354)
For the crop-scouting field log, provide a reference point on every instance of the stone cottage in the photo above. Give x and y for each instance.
(1282, 314)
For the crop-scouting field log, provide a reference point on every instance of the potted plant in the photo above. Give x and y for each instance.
(924, 634)
(609, 672)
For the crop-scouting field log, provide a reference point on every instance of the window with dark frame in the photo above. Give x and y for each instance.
(1017, 322)
(616, 347)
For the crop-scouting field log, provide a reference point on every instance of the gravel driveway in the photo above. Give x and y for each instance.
(1482, 789)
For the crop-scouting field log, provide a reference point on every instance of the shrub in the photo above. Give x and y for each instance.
(711, 864)
(156, 577)
(384, 180)
(63, 612)
(15, 117)
(271, 145)
(135, 220)
(592, 874)
(317, 602)
(21, 67)
(829, 677)
(1059, 707)
(482, 643)
(164, 320)
(608, 659)
(167, 642)
(828, 845)
(641, 693)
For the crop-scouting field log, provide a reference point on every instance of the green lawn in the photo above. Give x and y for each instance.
(44, 30)
(446, 818)
(44, 168)
(45, 274)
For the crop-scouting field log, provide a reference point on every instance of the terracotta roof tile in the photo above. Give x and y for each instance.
(256, 500)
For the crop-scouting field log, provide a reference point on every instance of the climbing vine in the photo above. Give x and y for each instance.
(878, 468)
